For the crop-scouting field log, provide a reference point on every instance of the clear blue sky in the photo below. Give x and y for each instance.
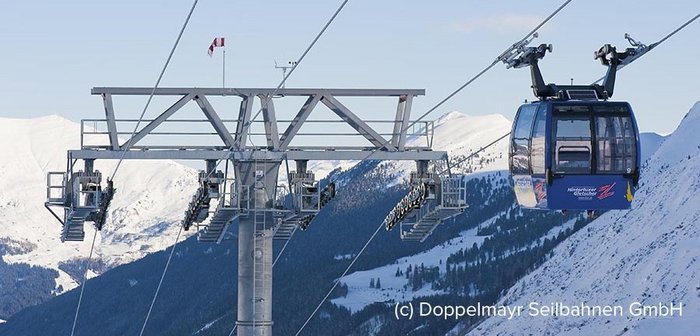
(53, 52)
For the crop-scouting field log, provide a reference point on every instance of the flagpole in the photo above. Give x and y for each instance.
(223, 72)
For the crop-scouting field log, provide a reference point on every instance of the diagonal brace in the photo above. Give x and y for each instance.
(111, 122)
(300, 118)
(355, 122)
(401, 122)
(214, 119)
(243, 126)
(270, 120)
(155, 122)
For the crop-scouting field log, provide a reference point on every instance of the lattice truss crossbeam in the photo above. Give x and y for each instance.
(388, 146)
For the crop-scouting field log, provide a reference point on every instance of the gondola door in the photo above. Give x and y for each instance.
(594, 155)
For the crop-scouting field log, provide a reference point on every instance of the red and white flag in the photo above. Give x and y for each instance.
(218, 42)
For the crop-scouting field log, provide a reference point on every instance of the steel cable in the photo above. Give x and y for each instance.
(467, 83)
(150, 97)
(82, 287)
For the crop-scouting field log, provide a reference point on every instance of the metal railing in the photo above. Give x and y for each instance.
(454, 192)
(307, 198)
(55, 188)
(94, 133)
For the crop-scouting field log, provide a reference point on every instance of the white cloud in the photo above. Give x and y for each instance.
(502, 23)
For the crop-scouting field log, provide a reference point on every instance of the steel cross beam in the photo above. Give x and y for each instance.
(253, 154)
(245, 92)
(278, 144)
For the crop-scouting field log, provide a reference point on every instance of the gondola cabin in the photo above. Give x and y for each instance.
(574, 155)
(574, 149)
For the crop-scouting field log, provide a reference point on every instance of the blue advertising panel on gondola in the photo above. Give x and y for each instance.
(591, 192)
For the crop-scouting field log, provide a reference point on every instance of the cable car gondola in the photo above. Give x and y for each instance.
(573, 148)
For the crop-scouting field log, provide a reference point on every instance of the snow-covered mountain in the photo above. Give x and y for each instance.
(457, 133)
(650, 255)
(148, 205)
(151, 195)
(650, 144)
(150, 198)
(460, 135)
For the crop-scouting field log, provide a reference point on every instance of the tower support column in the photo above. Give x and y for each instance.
(255, 234)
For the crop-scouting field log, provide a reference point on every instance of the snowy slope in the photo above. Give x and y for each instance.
(457, 133)
(460, 135)
(148, 205)
(650, 254)
(397, 289)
